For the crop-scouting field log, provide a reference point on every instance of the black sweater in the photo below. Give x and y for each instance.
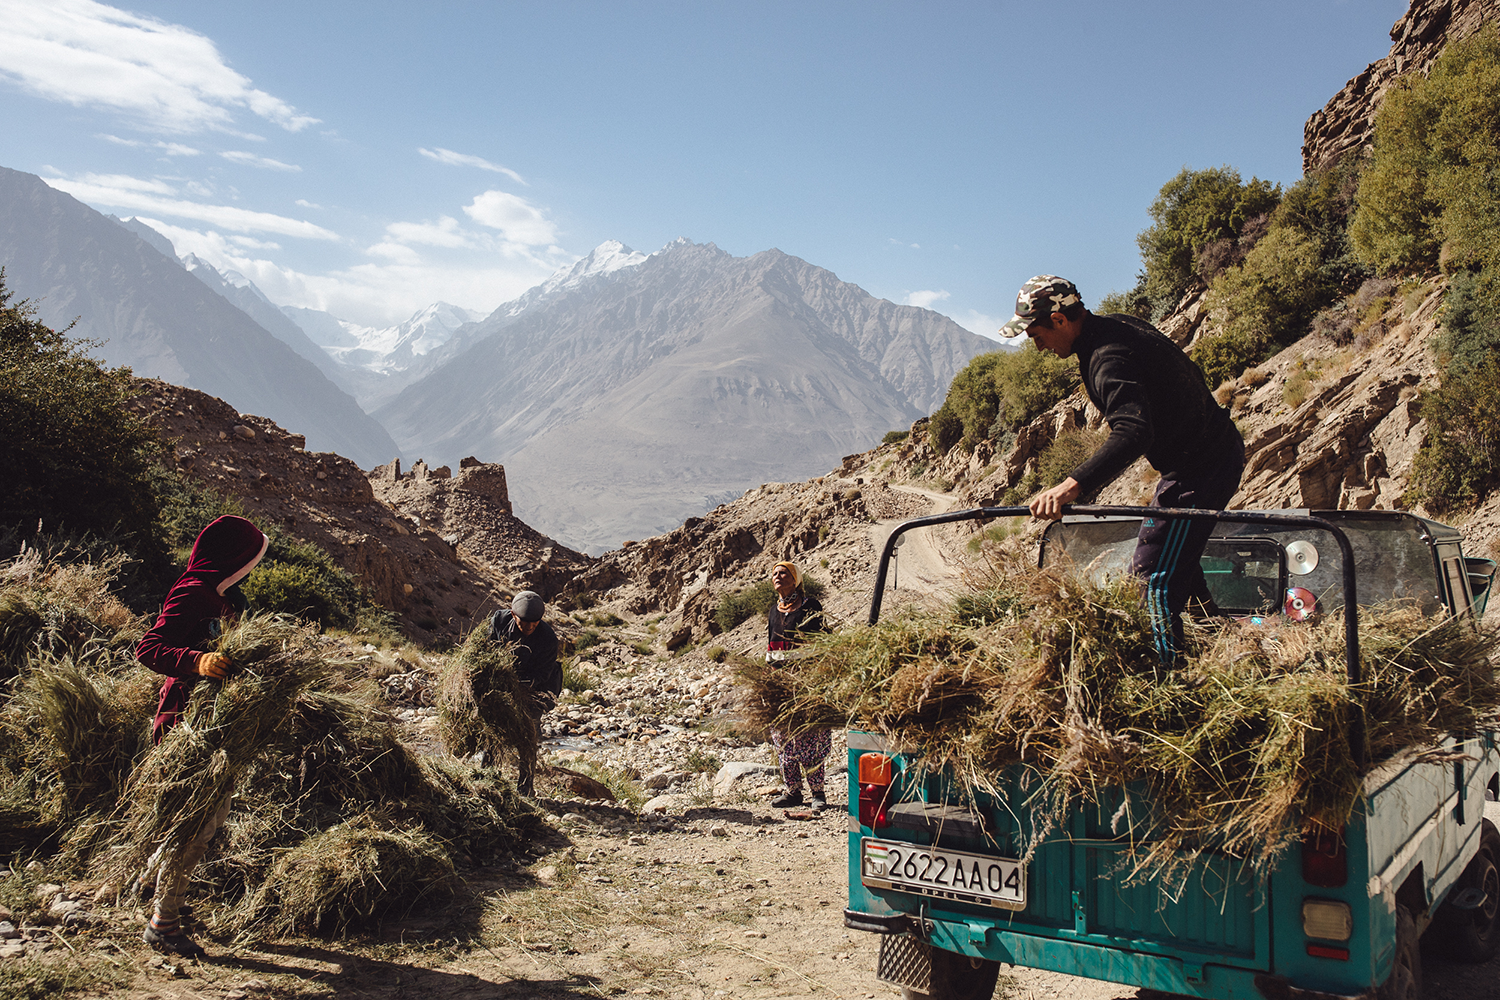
(1152, 396)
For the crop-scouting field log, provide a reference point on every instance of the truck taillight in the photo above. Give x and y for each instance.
(874, 787)
(1325, 857)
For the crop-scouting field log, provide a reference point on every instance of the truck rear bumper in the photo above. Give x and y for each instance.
(1093, 961)
(882, 923)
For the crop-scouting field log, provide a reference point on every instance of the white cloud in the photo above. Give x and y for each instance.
(986, 326)
(250, 243)
(446, 232)
(901, 243)
(119, 191)
(304, 203)
(176, 149)
(398, 253)
(263, 162)
(518, 220)
(381, 293)
(453, 159)
(162, 75)
(924, 299)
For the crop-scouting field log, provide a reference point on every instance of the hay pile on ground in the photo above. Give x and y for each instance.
(481, 703)
(1232, 750)
(329, 799)
(349, 874)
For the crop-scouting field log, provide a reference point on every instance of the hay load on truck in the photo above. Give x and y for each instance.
(1280, 813)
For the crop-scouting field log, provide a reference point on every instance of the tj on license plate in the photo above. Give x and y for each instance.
(933, 871)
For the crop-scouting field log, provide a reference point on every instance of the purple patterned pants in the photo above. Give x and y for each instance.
(801, 755)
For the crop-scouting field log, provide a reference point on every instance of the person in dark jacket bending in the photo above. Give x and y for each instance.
(533, 644)
(788, 621)
(1157, 404)
(223, 554)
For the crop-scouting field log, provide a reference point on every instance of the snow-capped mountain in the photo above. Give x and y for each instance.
(605, 259)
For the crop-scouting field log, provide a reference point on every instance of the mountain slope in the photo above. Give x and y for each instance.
(643, 394)
(151, 314)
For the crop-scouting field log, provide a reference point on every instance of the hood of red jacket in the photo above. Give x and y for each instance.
(226, 551)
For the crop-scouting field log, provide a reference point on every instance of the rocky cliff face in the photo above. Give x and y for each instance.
(1347, 122)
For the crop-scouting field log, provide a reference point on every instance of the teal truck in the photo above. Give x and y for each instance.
(939, 875)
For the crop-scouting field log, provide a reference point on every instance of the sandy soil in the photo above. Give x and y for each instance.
(740, 901)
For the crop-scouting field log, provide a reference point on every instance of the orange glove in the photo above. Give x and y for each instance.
(215, 665)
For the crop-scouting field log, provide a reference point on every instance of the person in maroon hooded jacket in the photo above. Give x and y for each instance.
(223, 555)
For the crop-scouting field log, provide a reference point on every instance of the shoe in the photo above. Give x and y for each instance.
(173, 944)
(817, 804)
(787, 800)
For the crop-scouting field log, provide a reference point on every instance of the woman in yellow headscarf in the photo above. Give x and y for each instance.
(792, 616)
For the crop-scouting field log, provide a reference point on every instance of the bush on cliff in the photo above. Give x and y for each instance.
(1195, 209)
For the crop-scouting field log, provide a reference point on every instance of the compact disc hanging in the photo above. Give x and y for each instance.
(1301, 557)
(1300, 604)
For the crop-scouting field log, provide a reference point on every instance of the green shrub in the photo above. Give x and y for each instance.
(1429, 196)
(701, 762)
(893, 437)
(1132, 303)
(1066, 453)
(1471, 321)
(576, 678)
(1224, 356)
(1192, 210)
(289, 589)
(1302, 264)
(74, 457)
(1294, 393)
(974, 397)
(998, 392)
(1459, 461)
(944, 430)
(1030, 382)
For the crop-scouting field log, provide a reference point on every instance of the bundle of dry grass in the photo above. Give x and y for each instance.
(1231, 751)
(348, 875)
(226, 727)
(481, 703)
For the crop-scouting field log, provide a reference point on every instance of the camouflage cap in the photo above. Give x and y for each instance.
(1041, 296)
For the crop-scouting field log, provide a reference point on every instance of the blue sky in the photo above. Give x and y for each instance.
(371, 158)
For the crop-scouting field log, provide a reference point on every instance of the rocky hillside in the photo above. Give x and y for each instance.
(439, 574)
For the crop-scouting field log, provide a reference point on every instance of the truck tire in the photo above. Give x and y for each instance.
(959, 977)
(1405, 982)
(1476, 934)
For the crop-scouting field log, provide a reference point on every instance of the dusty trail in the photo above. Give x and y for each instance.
(920, 564)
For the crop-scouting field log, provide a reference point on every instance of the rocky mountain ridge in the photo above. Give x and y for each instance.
(148, 312)
(653, 390)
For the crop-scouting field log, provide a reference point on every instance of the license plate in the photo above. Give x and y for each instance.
(943, 874)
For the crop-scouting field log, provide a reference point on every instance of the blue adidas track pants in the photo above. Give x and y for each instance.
(1167, 549)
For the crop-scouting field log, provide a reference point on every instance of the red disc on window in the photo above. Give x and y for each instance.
(1300, 604)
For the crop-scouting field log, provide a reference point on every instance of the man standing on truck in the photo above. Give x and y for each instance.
(1156, 402)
